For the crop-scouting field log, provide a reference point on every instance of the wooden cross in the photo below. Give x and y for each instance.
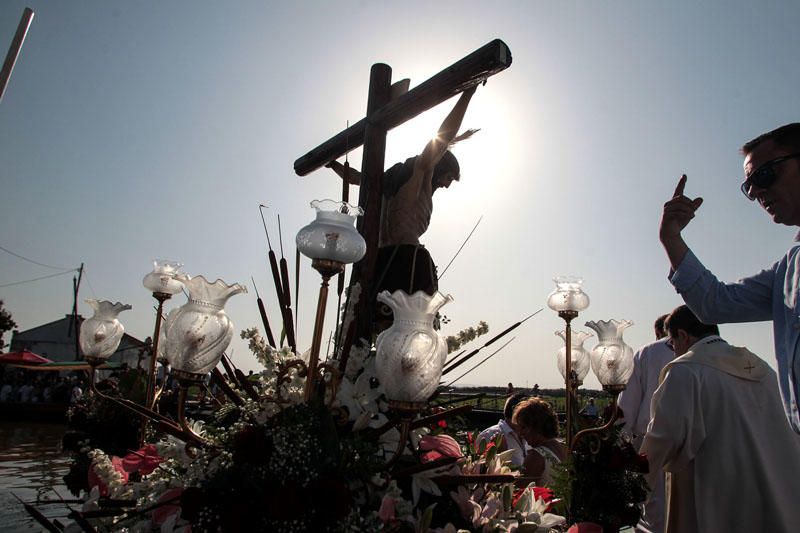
(383, 114)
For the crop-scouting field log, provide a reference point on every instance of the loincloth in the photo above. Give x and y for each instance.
(406, 267)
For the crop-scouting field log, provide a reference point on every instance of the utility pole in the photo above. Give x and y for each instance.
(76, 283)
(16, 46)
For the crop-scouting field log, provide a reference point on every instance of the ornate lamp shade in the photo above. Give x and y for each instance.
(580, 357)
(332, 236)
(568, 295)
(165, 277)
(612, 359)
(100, 335)
(199, 331)
(410, 354)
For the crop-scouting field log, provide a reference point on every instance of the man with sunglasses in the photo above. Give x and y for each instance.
(772, 178)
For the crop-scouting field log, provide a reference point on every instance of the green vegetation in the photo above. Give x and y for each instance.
(493, 398)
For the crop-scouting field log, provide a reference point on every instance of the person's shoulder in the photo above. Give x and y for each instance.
(657, 345)
(657, 352)
(793, 252)
(489, 432)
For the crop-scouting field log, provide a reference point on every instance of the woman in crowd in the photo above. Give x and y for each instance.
(536, 421)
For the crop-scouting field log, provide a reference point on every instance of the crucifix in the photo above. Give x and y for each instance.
(386, 111)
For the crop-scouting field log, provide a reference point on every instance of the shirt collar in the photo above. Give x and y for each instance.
(709, 339)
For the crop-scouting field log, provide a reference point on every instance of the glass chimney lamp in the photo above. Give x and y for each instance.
(200, 330)
(580, 356)
(101, 334)
(331, 240)
(165, 278)
(164, 281)
(568, 299)
(612, 358)
(568, 295)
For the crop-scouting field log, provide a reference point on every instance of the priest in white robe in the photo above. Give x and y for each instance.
(719, 432)
(634, 402)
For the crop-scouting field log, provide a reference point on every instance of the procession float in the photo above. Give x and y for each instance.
(354, 437)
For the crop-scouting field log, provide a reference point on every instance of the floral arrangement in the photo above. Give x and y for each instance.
(96, 424)
(454, 342)
(609, 461)
(336, 464)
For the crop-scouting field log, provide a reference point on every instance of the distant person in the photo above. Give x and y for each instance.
(512, 440)
(47, 393)
(510, 389)
(772, 179)
(75, 394)
(25, 393)
(647, 364)
(535, 390)
(718, 430)
(5, 392)
(590, 409)
(536, 421)
(635, 400)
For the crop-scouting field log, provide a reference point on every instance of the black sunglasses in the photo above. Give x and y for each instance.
(764, 176)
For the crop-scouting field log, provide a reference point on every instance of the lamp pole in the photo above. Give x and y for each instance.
(151, 381)
(327, 268)
(568, 316)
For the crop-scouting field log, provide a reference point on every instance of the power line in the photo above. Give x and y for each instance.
(34, 262)
(37, 279)
(85, 272)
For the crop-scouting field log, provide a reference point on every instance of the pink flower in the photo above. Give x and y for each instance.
(387, 510)
(438, 446)
(585, 527)
(163, 513)
(144, 461)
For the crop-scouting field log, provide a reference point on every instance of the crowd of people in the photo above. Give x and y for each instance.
(29, 387)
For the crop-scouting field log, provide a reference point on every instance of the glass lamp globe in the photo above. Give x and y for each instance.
(165, 277)
(568, 295)
(101, 334)
(612, 358)
(580, 357)
(332, 236)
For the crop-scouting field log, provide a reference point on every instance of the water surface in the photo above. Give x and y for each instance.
(31, 467)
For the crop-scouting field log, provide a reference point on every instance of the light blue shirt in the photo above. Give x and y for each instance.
(772, 294)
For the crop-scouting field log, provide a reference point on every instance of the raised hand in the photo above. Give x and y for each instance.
(678, 212)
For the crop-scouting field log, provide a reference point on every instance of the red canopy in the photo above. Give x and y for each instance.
(24, 357)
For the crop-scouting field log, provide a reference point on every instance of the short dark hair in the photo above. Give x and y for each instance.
(683, 318)
(659, 323)
(537, 415)
(511, 403)
(448, 163)
(787, 136)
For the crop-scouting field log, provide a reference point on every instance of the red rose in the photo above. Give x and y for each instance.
(143, 461)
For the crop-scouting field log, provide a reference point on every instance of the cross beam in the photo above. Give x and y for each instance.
(484, 62)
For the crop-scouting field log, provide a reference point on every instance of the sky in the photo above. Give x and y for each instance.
(138, 130)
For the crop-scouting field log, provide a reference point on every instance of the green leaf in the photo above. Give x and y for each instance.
(508, 496)
(427, 518)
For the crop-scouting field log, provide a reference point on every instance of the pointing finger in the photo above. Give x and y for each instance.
(680, 187)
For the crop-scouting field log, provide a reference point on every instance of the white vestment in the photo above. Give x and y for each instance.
(718, 430)
(634, 402)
